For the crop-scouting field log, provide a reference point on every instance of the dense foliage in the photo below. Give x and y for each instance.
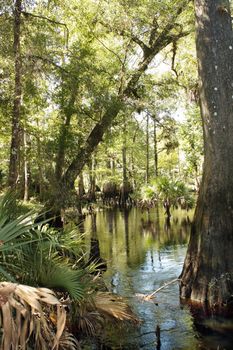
(77, 61)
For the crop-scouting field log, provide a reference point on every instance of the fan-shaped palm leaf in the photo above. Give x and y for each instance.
(60, 276)
(41, 264)
(68, 342)
(23, 309)
(100, 309)
(114, 307)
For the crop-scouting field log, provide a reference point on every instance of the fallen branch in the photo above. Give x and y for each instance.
(147, 297)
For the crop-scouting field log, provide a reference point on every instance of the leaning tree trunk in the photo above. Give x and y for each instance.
(207, 275)
(158, 40)
(15, 138)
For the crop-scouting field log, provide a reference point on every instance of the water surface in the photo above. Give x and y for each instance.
(143, 251)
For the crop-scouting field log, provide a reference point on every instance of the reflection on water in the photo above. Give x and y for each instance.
(143, 251)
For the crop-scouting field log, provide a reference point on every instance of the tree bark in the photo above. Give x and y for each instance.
(15, 137)
(207, 275)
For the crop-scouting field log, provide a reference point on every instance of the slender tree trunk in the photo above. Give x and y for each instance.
(113, 167)
(81, 189)
(124, 161)
(134, 183)
(155, 150)
(124, 176)
(147, 149)
(64, 131)
(92, 188)
(108, 162)
(40, 167)
(207, 275)
(15, 137)
(25, 163)
(124, 187)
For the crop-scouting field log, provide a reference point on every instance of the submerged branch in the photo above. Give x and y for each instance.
(147, 297)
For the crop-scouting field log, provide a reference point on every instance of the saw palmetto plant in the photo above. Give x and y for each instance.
(23, 317)
(37, 258)
(15, 232)
(100, 309)
(25, 310)
(114, 307)
(36, 255)
(50, 264)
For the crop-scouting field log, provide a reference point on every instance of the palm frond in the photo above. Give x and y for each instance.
(8, 206)
(7, 275)
(114, 307)
(23, 309)
(86, 319)
(14, 235)
(44, 264)
(99, 310)
(68, 342)
(61, 277)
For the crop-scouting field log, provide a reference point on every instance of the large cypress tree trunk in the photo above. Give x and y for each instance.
(207, 274)
(15, 138)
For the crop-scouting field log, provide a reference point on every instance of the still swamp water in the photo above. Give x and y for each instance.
(143, 251)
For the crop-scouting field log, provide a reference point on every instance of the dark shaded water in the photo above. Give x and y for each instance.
(143, 252)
